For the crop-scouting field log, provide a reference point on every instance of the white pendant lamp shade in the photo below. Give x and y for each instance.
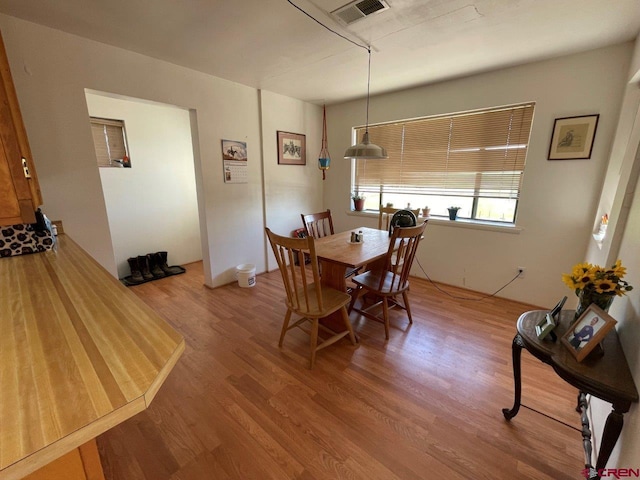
(366, 150)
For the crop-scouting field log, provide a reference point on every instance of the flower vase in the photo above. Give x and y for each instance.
(587, 298)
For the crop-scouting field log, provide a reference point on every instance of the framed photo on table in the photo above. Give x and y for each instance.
(546, 326)
(572, 137)
(292, 149)
(587, 332)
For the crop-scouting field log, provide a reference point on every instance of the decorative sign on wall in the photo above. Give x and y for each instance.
(234, 160)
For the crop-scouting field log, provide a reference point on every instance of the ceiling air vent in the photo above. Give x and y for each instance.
(358, 10)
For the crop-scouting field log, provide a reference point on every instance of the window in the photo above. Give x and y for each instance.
(110, 142)
(472, 160)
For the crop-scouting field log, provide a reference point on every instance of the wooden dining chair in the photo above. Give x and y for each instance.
(306, 297)
(318, 225)
(393, 279)
(387, 212)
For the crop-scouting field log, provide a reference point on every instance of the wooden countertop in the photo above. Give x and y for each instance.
(79, 353)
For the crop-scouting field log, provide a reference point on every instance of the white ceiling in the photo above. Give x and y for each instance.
(269, 44)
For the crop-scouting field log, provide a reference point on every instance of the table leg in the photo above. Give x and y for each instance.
(333, 275)
(583, 406)
(610, 434)
(516, 354)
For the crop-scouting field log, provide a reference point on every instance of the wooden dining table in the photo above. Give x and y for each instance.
(337, 255)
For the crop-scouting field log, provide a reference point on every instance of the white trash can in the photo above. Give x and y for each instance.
(246, 274)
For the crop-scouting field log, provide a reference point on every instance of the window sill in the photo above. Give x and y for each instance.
(460, 223)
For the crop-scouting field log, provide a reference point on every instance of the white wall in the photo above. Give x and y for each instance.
(627, 311)
(152, 206)
(290, 190)
(559, 198)
(51, 71)
(621, 199)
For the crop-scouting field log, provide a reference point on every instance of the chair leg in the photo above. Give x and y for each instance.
(405, 297)
(314, 342)
(285, 327)
(347, 323)
(385, 314)
(354, 297)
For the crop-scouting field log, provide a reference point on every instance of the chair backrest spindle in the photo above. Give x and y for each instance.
(318, 225)
(301, 279)
(402, 251)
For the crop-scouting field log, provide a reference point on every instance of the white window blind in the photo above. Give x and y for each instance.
(109, 141)
(476, 154)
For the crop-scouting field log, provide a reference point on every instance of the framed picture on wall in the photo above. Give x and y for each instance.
(572, 137)
(292, 149)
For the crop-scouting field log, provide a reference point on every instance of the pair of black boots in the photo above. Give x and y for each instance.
(151, 266)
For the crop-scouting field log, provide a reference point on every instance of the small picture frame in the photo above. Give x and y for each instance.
(572, 137)
(587, 332)
(555, 312)
(545, 326)
(292, 148)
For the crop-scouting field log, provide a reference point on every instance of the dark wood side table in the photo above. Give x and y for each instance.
(604, 376)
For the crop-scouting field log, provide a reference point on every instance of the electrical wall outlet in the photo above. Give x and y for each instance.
(520, 271)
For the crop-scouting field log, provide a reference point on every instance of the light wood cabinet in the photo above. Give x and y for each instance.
(83, 463)
(19, 189)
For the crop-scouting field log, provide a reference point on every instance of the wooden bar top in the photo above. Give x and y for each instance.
(79, 353)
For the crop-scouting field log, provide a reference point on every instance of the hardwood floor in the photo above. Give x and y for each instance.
(424, 405)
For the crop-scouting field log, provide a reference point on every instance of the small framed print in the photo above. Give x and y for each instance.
(545, 326)
(555, 312)
(292, 149)
(587, 332)
(572, 137)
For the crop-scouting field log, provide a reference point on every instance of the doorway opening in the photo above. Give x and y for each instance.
(153, 205)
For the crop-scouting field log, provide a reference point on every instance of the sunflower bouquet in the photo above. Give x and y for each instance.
(595, 279)
(594, 284)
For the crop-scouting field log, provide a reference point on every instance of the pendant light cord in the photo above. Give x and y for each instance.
(366, 129)
(331, 30)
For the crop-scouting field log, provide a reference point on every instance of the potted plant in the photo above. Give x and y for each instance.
(358, 202)
(453, 212)
(426, 211)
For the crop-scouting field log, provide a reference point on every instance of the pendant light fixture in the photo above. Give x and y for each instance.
(324, 160)
(366, 149)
